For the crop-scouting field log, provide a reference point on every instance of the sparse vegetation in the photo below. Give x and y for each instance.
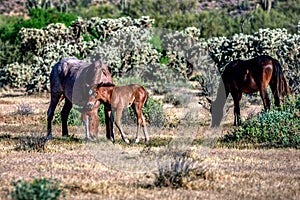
(38, 188)
(24, 109)
(177, 171)
(35, 142)
(131, 38)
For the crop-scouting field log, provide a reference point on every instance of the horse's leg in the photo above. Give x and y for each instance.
(275, 93)
(64, 116)
(118, 123)
(109, 122)
(265, 98)
(237, 96)
(85, 119)
(145, 130)
(141, 122)
(138, 111)
(50, 114)
(93, 121)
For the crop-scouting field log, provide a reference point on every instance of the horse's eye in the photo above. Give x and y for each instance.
(90, 92)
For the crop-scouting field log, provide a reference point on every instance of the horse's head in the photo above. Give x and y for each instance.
(99, 92)
(92, 96)
(98, 73)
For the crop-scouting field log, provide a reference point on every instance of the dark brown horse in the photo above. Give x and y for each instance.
(116, 98)
(249, 76)
(70, 79)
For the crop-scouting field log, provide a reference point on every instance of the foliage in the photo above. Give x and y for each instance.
(38, 188)
(39, 18)
(24, 109)
(177, 100)
(9, 53)
(35, 142)
(74, 118)
(177, 171)
(152, 110)
(279, 127)
(15, 75)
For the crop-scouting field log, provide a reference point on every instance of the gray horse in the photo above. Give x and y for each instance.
(70, 79)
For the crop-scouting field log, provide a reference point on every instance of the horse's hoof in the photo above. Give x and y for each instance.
(137, 140)
(126, 141)
(112, 139)
(147, 141)
(65, 135)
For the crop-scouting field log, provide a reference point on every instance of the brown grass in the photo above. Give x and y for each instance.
(102, 170)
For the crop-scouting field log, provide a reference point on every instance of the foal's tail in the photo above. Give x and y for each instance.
(280, 84)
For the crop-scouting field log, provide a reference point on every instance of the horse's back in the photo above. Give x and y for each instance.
(63, 75)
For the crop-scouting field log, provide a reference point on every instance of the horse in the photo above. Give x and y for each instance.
(116, 98)
(70, 79)
(249, 76)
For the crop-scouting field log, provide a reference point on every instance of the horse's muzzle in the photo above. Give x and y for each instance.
(90, 105)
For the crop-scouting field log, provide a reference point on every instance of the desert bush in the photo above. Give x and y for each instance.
(24, 109)
(35, 142)
(177, 171)
(177, 100)
(278, 127)
(16, 75)
(38, 188)
(121, 43)
(152, 111)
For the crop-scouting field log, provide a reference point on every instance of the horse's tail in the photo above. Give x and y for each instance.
(280, 84)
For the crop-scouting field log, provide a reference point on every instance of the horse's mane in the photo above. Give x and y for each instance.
(106, 84)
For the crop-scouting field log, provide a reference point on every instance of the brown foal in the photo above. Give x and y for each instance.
(116, 98)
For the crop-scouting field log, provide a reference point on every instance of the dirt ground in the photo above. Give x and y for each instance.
(102, 170)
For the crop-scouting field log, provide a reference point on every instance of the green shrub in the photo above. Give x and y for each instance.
(152, 111)
(35, 142)
(74, 118)
(279, 127)
(39, 188)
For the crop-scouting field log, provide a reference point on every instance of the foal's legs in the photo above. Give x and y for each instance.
(141, 122)
(50, 113)
(118, 123)
(237, 96)
(64, 116)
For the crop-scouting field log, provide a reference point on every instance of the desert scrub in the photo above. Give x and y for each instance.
(176, 100)
(153, 112)
(35, 142)
(24, 109)
(38, 188)
(276, 127)
(178, 171)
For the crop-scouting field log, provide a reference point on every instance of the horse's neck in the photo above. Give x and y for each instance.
(221, 94)
(110, 90)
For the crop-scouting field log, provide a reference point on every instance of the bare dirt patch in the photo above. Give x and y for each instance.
(102, 170)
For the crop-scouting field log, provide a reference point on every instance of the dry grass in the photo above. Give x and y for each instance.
(102, 170)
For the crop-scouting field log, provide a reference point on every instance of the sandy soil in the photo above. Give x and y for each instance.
(102, 170)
